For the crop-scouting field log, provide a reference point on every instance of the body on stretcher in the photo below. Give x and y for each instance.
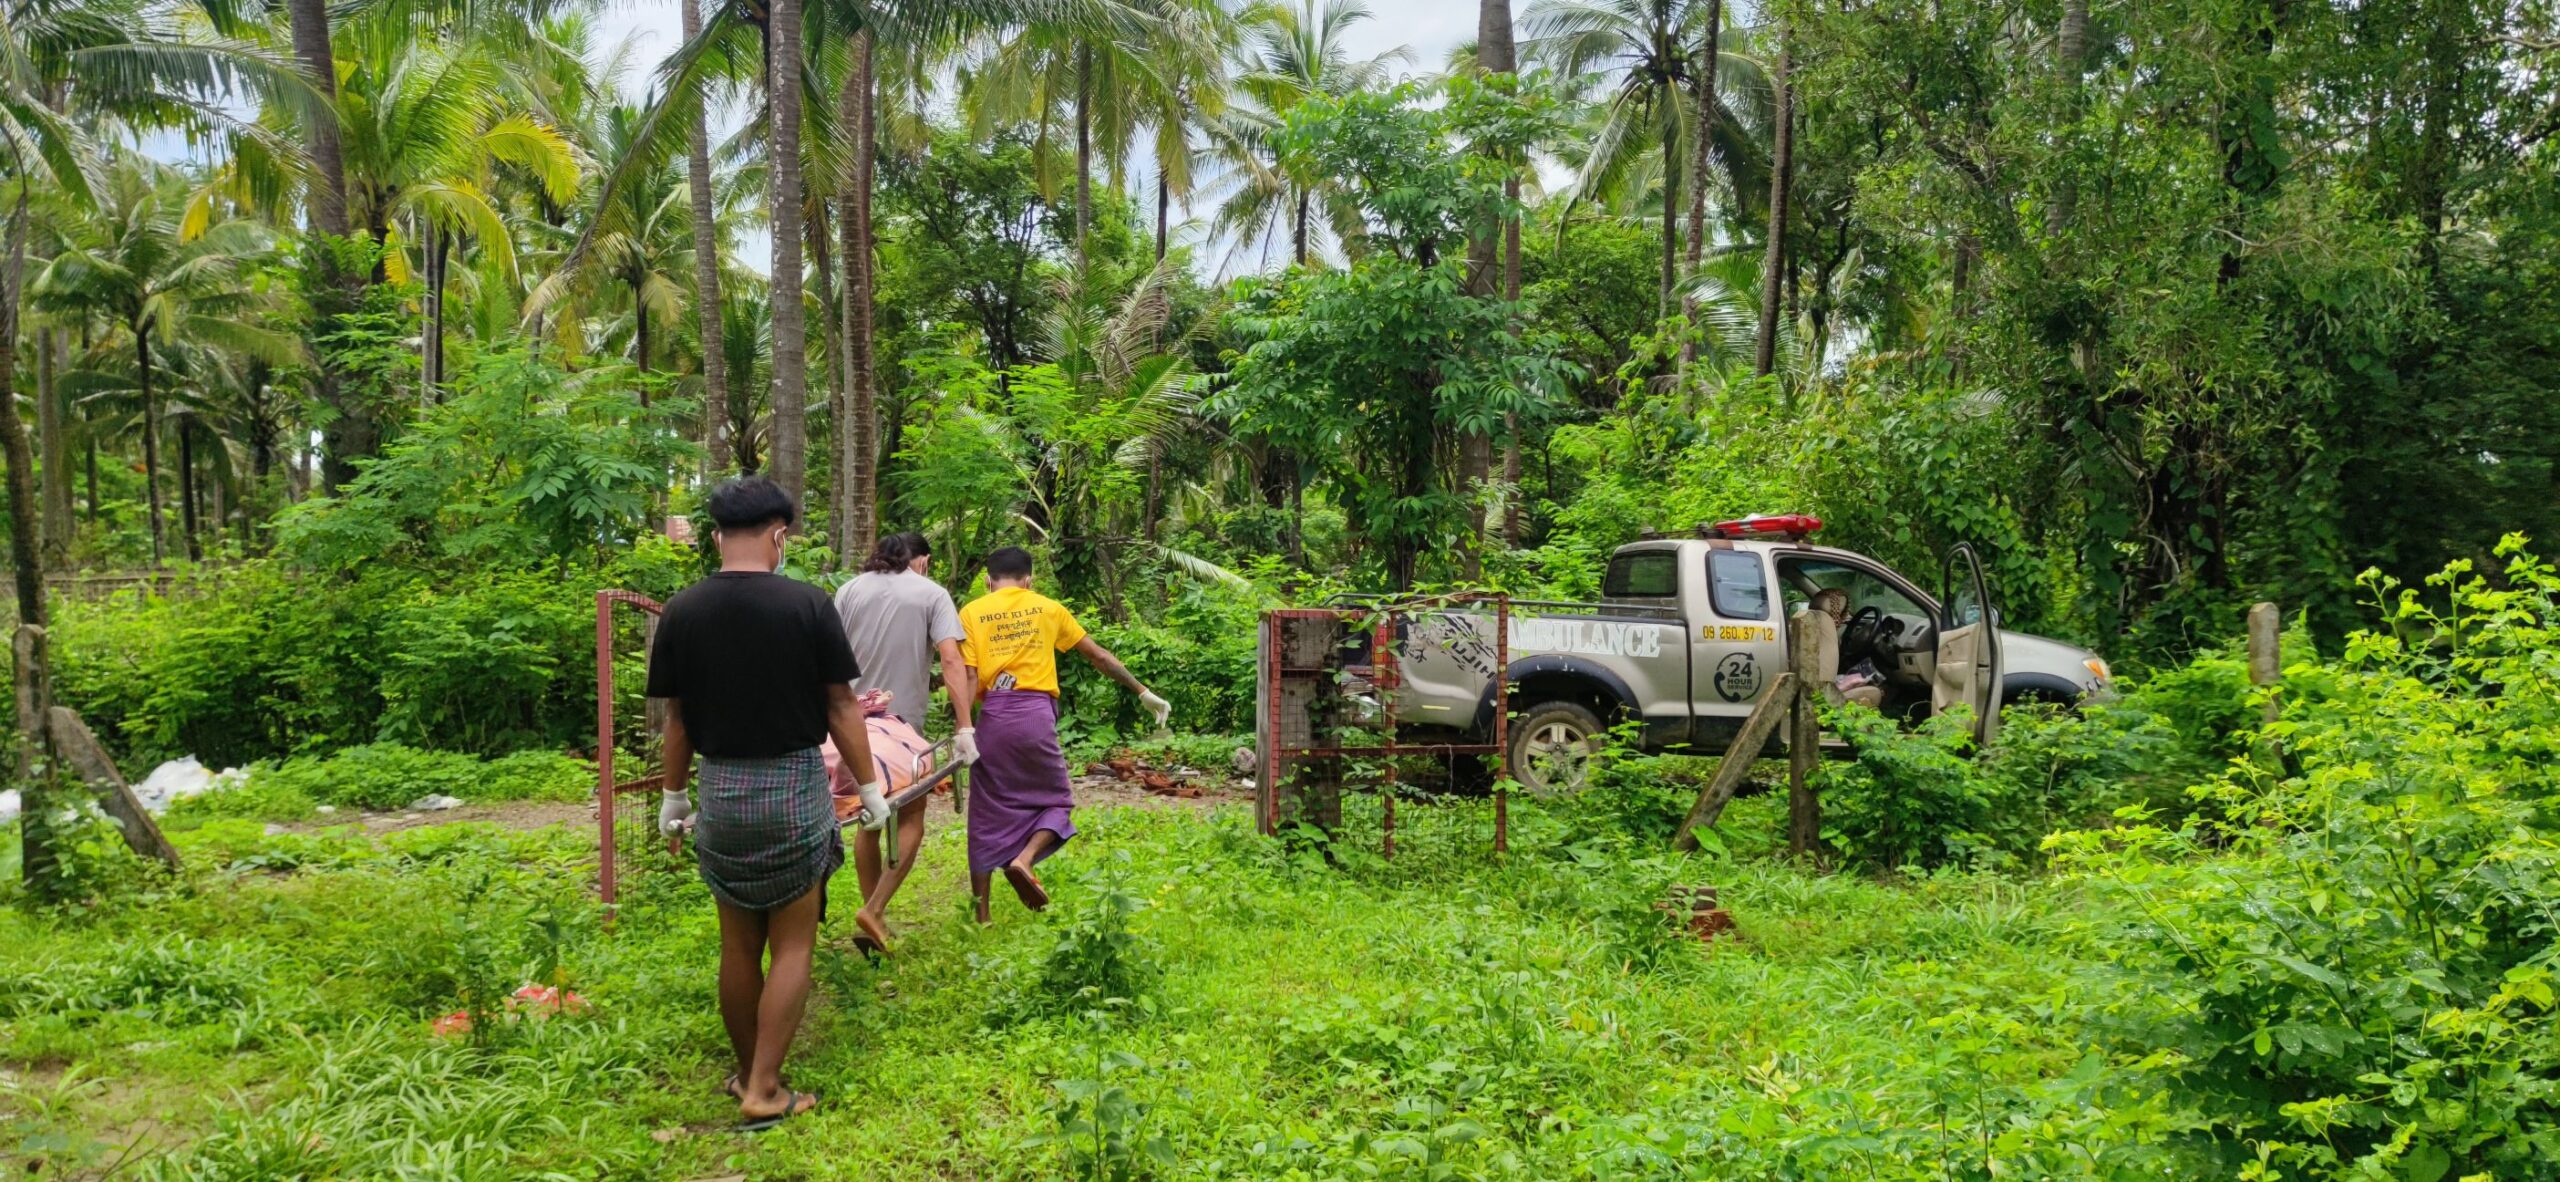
(900, 757)
(909, 767)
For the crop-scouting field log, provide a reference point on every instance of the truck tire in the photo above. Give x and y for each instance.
(1553, 746)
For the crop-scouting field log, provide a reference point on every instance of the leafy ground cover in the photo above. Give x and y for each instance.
(1201, 1002)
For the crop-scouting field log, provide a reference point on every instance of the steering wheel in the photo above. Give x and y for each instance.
(1888, 631)
(1860, 633)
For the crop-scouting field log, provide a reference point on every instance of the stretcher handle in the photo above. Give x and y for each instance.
(944, 768)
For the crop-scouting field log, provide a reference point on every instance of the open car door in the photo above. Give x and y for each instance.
(1968, 645)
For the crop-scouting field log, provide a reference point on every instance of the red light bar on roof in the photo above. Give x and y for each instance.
(1793, 527)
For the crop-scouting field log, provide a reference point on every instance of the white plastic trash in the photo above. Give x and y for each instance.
(173, 780)
(437, 802)
(9, 806)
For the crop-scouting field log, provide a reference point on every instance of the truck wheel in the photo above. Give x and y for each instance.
(1553, 745)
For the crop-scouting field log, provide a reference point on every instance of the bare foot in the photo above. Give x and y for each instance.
(984, 916)
(1026, 886)
(873, 937)
(760, 1114)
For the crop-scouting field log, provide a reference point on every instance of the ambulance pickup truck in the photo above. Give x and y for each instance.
(1690, 633)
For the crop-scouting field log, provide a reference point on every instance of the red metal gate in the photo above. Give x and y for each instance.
(606, 788)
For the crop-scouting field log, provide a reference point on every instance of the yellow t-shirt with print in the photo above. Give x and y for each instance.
(1014, 637)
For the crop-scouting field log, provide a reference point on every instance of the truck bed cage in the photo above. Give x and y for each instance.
(1303, 656)
(1470, 600)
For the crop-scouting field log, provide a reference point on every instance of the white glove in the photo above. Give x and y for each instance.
(964, 745)
(1156, 707)
(875, 807)
(673, 810)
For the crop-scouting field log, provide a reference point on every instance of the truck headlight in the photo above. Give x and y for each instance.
(2098, 669)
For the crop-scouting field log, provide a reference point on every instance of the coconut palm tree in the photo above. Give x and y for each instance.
(1648, 54)
(424, 132)
(1191, 45)
(1289, 55)
(642, 242)
(129, 264)
(134, 68)
(1095, 63)
(758, 45)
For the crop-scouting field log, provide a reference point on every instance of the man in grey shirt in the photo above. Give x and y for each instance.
(898, 621)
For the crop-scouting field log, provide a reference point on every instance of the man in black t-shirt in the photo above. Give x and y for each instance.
(758, 671)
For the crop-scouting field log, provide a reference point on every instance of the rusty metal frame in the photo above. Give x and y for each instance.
(1385, 675)
(606, 788)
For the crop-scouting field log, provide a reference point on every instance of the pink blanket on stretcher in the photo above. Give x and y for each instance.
(895, 752)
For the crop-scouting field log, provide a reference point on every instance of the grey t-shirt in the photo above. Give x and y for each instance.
(894, 620)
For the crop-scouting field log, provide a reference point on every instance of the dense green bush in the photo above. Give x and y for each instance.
(1924, 797)
(272, 660)
(2347, 968)
(1199, 656)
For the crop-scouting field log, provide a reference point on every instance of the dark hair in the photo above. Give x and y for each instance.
(1012, 562)
(895, 551)
(746, 502)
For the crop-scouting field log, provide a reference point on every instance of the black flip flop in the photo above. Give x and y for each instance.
(790, 1108)
(1026, 887)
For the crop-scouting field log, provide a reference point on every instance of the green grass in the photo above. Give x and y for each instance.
(1445, 1015)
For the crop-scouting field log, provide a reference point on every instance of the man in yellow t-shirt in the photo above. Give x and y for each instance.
(1019, 796)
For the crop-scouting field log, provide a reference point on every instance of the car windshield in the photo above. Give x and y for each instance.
(1865, 588)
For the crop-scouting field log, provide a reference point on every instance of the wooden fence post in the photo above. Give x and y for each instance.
(1804, 740)
(1737, 760)
(80, 749)
(2266, 655)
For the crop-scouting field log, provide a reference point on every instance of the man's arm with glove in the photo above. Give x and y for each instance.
(1103, 659)
(853, 744)
(674, 808)
(957, 681)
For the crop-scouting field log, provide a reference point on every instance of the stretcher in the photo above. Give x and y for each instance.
(927, 771)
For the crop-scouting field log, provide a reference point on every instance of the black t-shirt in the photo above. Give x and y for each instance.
(748, 657)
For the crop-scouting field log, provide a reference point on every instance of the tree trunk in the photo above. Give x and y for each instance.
(1773, 267)
(310, 20)
(1670, 217)
(26, 532)
(92, 434)
(858, 457)
(1702, 133)
(790, 318)
(439, 241)
(1495, 54)
(2435, 165)
(640, 329)
(1164, 205)
(353, 433)
(30, 670)
(831, 375)
(1511, 423)
(706, 272)
(1084, 147)
(189, 520)
(1298, 235)
(53, 452)
(2070, 51)
(150, 441)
